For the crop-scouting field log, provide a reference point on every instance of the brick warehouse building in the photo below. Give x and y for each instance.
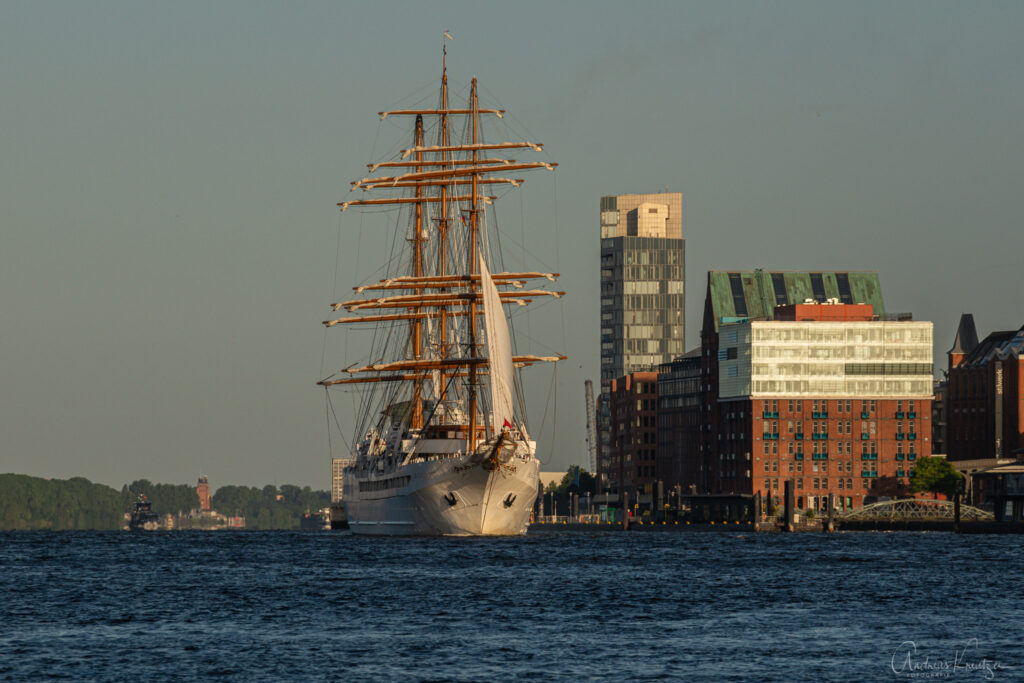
(680, 410)
(633, 400)
(832, 394)
(985, 394)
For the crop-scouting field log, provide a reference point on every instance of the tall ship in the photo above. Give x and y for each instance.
(441, 443)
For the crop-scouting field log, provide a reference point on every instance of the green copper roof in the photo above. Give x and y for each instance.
(735, 294)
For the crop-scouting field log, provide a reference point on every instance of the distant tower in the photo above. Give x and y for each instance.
(203, 489)
(965, 342)
(591, 440)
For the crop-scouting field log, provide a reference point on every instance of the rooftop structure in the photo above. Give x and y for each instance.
(735, 295)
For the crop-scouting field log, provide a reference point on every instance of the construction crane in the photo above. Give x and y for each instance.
(591, 440)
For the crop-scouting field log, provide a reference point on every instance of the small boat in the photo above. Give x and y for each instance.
(142, 517)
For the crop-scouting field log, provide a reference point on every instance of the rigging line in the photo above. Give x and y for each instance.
(522, 231)
(558, 261)
(337, 423)
(547, 403)
(554, 421)
(337, 256)
(327, 409)
(535, 258)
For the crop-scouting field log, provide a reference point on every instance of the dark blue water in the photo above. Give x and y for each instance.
(682, 606)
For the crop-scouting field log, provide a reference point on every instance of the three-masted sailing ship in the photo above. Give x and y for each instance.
(442, 446)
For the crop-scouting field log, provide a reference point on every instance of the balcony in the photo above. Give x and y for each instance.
(912, 436)
(799, 456)
(864, 437)
(864, 416)
(899, 436)
(770, 436)
(912, 415)
(912, 456)
(869, 456)
(799, 435)
(819, 456)
(899, 414)
(819, 415)
(820, 436)
(769, 414)
(899, 456)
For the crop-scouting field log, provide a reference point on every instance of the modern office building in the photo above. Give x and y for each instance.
(985, 394)
(642, 275)
(642, 289)
(338, 478)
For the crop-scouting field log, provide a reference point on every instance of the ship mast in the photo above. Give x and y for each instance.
(473, 270)
(440, 288)
(417, 268)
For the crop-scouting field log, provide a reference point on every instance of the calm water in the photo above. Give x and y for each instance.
(696, 606)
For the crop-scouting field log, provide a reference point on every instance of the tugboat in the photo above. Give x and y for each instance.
(142, 516)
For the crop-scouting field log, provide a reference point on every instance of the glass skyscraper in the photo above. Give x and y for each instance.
(642, 275)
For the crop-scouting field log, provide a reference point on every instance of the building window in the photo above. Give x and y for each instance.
(779, 289)
(840, 484)
(800, 484)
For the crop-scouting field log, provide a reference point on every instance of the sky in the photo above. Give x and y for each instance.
(170, 240)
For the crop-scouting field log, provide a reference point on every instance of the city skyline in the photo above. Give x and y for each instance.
(170, 235)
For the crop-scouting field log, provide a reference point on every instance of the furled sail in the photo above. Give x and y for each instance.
(499, 351)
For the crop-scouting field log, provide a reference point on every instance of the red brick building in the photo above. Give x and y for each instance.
(835, 396)
(985, 394)
(633, 444)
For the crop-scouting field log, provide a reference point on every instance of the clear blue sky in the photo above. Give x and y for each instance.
(170, 173)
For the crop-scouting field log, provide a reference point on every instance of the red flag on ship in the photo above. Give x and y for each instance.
(507, 424)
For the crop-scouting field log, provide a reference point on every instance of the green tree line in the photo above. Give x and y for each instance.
(28, 503)
(34, 503)
(269, 507)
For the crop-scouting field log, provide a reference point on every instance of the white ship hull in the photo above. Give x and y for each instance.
(417, 499)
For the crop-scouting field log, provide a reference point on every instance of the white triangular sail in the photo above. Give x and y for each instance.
(499, 351)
